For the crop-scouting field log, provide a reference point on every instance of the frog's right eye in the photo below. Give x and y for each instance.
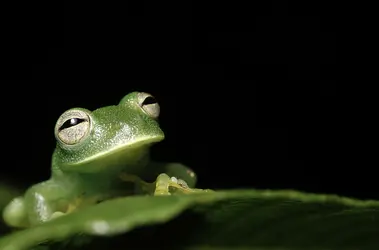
(148, 104)
(73, 126)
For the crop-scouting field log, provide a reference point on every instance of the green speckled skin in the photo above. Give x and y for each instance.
(116, 141)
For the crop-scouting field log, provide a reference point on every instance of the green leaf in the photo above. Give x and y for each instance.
(235, 219)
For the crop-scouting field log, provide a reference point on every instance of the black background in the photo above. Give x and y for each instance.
(247, 92)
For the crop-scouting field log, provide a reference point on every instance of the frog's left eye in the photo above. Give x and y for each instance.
(148, 104)
(72, 126)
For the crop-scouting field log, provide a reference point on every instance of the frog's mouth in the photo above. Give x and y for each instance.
(126, 148)
(130, 156)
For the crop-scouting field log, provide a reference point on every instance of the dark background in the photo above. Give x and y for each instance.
(248, 94)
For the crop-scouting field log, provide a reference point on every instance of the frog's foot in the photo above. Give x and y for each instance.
(183, 187)
(162, 185)
(165, 185)
(182, 184)
(56, 215)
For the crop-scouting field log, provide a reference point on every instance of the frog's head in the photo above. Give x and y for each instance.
(109, 137)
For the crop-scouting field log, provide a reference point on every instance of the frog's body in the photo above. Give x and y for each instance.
(100, 155)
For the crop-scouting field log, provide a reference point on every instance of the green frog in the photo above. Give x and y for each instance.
(100, 155)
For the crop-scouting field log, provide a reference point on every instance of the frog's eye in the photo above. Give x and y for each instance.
(148, 104)
(72, 126)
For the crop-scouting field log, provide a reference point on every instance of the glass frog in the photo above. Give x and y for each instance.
(101, 154)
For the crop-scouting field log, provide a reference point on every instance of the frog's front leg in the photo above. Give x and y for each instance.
(45, 201)
(39, 204)
(177, 170)
(174, 178)
(164, 185)
(14, 214)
